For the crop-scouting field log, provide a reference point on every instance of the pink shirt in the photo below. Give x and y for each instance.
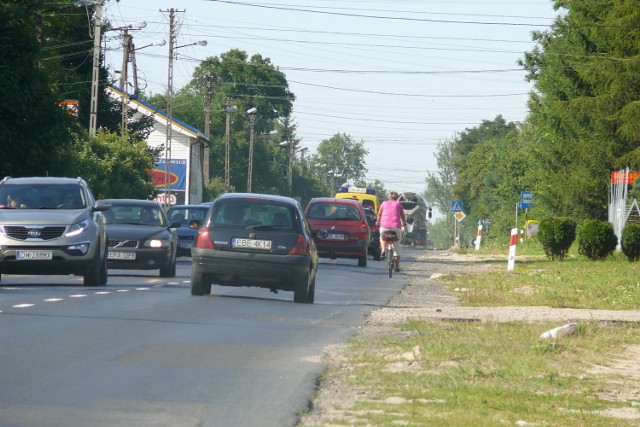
(390, 214)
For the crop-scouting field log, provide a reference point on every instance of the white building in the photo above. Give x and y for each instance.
(184, 157)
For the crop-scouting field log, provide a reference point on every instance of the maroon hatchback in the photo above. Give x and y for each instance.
(339, 228)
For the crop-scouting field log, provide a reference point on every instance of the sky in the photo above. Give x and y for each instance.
(401, 76)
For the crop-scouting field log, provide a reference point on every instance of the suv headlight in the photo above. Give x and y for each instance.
(77, 228)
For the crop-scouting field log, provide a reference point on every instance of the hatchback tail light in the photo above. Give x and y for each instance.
(301, 247)
(202, 239)
(364, 229)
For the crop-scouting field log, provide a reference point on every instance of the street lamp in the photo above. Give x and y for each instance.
(252, 123)
(167, 147)
(227, 144)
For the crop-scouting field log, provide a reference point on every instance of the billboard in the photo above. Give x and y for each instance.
(177, 174)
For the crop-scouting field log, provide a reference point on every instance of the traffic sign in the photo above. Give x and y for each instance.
(459, 216)
(526, 200)
(456, 206)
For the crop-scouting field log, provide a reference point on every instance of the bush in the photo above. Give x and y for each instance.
(596, 239)
(556, 236)
(631, 241)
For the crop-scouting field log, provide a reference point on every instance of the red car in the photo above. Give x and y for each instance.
(339, 228)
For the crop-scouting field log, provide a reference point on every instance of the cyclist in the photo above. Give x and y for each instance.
(391, 218)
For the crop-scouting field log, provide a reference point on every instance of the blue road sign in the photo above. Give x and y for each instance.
(526, 200)
(456, 206)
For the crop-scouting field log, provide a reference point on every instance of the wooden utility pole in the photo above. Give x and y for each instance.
(207, 129)
(124, 77)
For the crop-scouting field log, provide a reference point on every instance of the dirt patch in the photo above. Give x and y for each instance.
(425, 298)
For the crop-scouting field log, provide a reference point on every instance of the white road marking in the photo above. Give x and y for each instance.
(53, 299)
(142, 289)
(77, 296)
(102, 293)
(23, 305)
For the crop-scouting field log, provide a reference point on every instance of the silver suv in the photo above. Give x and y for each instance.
(52, 226)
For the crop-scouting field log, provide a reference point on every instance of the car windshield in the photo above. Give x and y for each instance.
(185, 214)
(134, 214)
(334, 211)
(42, 196)
(253, 214)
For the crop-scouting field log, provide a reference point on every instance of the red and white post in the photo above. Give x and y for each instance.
(478, 237)
(512, 249)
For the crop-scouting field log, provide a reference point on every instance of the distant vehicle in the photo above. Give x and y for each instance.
(366, 196)
(256, 240)
(339, 228)
(374, 242)
(190, 218)
(141, 237)
(52, 226)
(417, 213)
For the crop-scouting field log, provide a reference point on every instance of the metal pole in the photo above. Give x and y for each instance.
(207, 129)
(252, 123)
(95, 74)
(290, 169)
(227, 146)
(124, 78)
(167, 150)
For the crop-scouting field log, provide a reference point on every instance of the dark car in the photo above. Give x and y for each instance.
(255, 240)
(52, 226)
(140, 236)
(374, 243)
(190, 218)
(339, 228)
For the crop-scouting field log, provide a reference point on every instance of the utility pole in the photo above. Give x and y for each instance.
(167, 147)
(227, 144)
(124, 77)
(207, 128)
(134, 69)
(95, 75)
(252, 124)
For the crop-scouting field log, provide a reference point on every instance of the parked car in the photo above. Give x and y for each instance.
(255, 240)
(374, 242)
(52, 226)
(339, 228)
(140, 236)
(190, 218)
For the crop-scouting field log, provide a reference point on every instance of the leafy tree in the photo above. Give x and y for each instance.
(33, 129)
(113, 166)
(343, 157)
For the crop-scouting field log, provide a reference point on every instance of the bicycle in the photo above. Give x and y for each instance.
(390, 237)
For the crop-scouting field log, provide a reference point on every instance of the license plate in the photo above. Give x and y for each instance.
(185, 245)
(30, 255)
(335, 236)
(264, 245)
(127, 256)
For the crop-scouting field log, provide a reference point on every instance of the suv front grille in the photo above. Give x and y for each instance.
(41, 233)
(123, 243)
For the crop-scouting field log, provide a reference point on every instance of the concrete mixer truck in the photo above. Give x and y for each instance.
(417, 214)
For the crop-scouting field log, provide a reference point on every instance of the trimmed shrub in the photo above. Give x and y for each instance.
(596, 239)
(631, 241)
(556, 235)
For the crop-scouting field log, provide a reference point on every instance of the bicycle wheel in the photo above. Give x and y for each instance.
(390, 260)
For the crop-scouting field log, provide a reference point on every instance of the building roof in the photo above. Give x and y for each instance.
(159, 115)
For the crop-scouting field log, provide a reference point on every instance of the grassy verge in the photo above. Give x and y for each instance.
(501, 374)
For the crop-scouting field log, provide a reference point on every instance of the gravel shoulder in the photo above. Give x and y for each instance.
(425, 298)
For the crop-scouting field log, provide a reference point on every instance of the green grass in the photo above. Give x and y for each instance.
(496, 374)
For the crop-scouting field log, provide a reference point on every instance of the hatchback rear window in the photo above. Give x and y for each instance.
(335, 211)
(250, 213)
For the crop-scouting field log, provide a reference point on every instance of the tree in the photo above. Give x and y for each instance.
(341, 158)
(113, 166)
(586, 108)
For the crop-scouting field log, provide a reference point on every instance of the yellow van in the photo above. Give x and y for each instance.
(366, 196)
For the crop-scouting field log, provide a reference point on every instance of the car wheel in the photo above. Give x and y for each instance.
(92, 276)
(312, 291)
(362, 261)
(198, 285)
(169, 270)
(302, 289)
(104, 271)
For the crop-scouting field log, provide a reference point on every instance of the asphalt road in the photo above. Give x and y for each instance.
(143, 352)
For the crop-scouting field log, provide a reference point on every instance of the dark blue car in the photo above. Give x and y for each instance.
(190, 218)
